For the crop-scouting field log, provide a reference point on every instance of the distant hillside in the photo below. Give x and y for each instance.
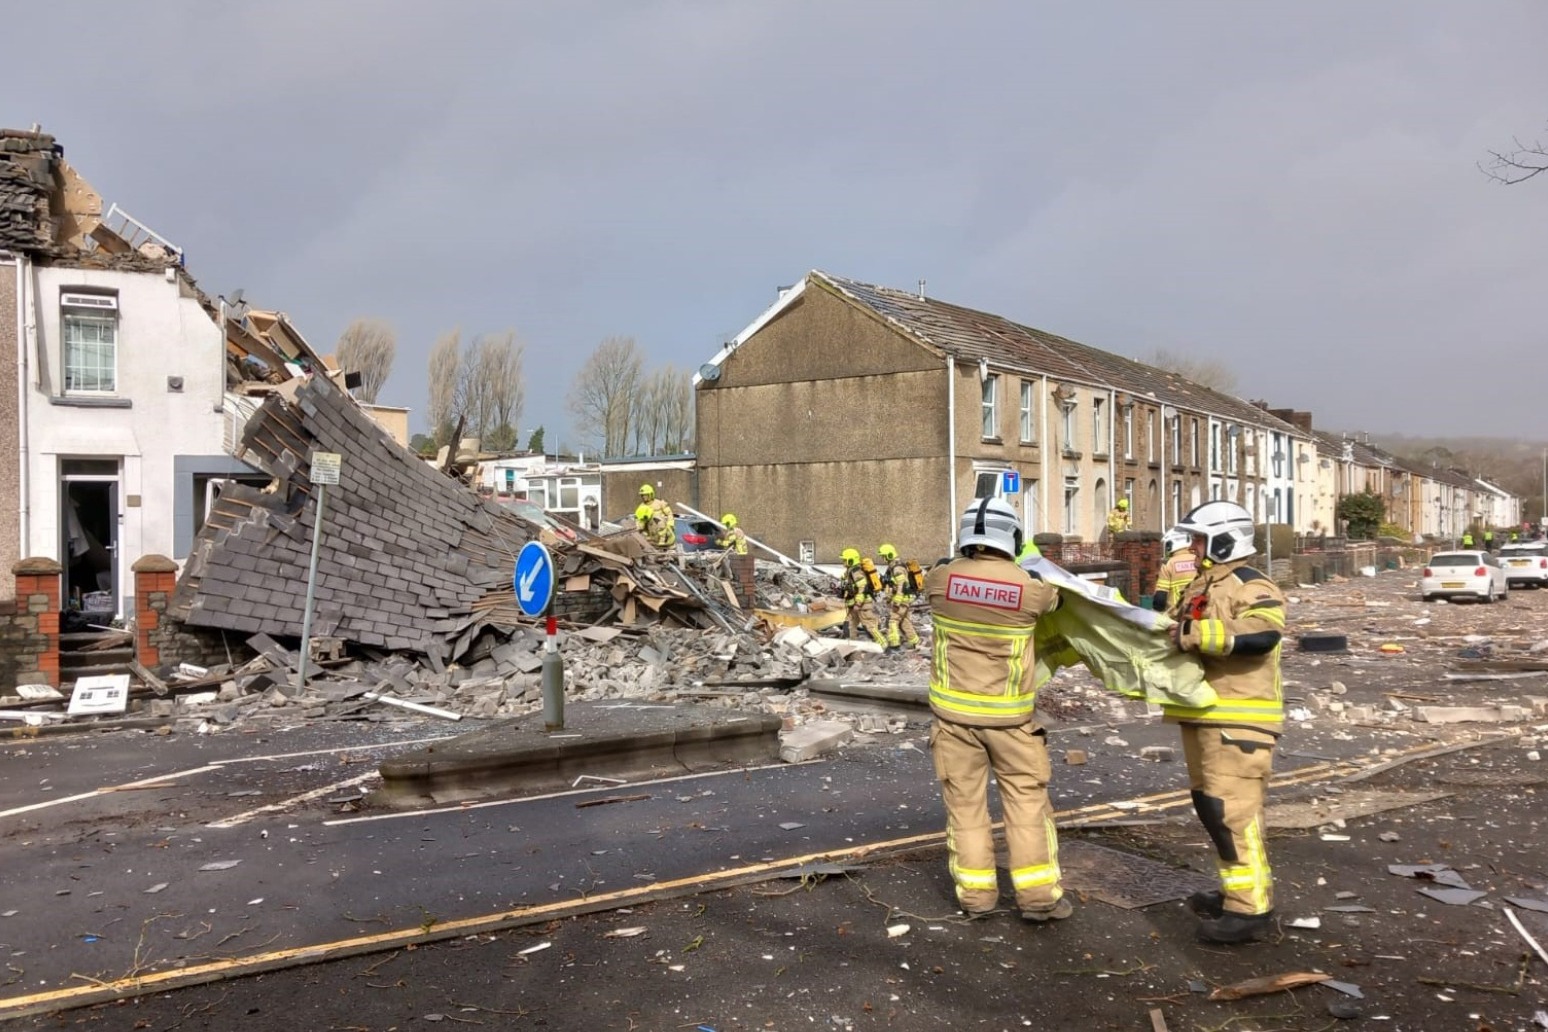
(1515, 465)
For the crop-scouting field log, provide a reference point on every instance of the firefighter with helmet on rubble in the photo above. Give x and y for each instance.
(734, 539)
(984, 609)
(903, 581)
(861, 585)
(655, 519)
(1233, 617)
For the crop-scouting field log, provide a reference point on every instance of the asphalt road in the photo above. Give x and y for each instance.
(133, 855)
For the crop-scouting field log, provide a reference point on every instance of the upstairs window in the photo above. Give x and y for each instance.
(1128, 431)
(89, 330)
(1028, 413)
(991, 419)
(1099, 426)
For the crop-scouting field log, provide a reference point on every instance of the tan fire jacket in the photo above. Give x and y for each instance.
(1234, 617)
(1177, 572)
(984, 611)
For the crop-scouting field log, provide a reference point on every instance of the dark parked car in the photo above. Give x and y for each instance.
(693, 535)
(696, 535)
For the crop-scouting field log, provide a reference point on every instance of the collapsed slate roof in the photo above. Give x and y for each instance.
(405, 551)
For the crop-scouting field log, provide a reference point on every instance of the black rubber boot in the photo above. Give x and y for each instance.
(1231, 928)
(1207, 903)
(1061, 909)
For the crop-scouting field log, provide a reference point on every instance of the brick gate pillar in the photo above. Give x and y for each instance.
(155, 577)
(1140, 551)
(37, 601)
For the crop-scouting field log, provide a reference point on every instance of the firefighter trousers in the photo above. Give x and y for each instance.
(900, 622)
(863, 614)
(965, 757)
(1228, 771)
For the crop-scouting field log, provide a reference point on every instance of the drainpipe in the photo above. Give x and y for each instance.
(951, 451)
(1112, 447)
(26, 331)
(1042, 450)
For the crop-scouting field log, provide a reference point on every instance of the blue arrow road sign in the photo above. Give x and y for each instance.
(1010, 482)
(534, 579)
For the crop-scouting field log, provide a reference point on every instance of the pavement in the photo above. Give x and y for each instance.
(622, 740)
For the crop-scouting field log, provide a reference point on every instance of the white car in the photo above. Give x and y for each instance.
(1525, 562)
(1476, 574)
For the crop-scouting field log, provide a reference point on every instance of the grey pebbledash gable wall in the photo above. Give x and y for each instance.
(184, 469)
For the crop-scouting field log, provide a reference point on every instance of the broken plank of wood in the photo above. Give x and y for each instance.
(1268, 984)
(1157, 1020)
(613, 799)
(156, 684)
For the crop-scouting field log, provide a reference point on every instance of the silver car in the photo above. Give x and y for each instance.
(1525, 562)
(1474, 574)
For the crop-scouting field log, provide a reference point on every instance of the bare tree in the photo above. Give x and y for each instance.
(445, 380)
(493, 388)
(605, 392)
(1206, 372)
(367, 347)
(1517, 165)
(667, 409)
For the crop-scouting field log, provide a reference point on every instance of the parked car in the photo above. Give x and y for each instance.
(1454, 574)
(1525, 562)
(693, 535)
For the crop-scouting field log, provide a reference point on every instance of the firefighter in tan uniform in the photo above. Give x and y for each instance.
(1233, 617)
(861, 585)
(1177, 570)
(902, 581)
(984, 608)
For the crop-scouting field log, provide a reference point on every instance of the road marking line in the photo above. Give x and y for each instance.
(325, 752)
(283, 804)
(199, 974)
(142, 783)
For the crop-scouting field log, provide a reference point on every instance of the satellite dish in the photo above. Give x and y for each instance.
(709, 372)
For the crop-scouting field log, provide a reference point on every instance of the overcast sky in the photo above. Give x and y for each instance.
(1290, 188)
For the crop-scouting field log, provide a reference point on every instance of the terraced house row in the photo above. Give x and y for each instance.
(848, 412)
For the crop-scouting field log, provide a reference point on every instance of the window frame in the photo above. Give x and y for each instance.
(82, 308)
(1128, 433)
(988, 406)
(1098, 426)
(1028, 412)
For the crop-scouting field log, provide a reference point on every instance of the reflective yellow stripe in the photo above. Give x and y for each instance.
(1212, 637)
(979, 630)
(1275, 615)
(1252, 711)
(973, 704)
(1041, 874)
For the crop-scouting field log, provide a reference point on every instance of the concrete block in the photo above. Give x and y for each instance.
(1360, 714)
(1075, 757)
(1458, 714)
(163, 707)
(1158, 753)
(810, 741)
(1539, 705)
(1514, 712)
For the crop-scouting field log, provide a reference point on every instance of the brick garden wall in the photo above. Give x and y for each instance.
(29, 626)
(160, 638)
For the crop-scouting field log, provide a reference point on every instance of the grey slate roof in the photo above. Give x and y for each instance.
(971, 335)
(405, 553)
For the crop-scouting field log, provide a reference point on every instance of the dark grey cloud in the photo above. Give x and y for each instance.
(1288, 187)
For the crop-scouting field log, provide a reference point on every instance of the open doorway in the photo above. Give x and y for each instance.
(88, 528)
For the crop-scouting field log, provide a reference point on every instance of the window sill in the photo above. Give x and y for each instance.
(1100, 456)
(85, 401)
(1070, 453)
(992, 440)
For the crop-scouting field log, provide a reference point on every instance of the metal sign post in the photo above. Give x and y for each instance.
(325, 471)
(533, 582)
